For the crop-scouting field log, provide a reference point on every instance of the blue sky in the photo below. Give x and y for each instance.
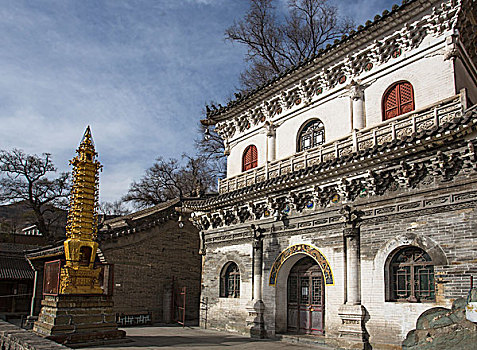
(138, 71)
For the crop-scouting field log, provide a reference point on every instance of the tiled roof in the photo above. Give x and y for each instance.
(52, 250)
(143, 213)
(361, 29)
(15, 266)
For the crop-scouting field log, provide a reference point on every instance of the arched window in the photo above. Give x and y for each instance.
(250, 157)
(398, 99)
(311, 135)
(411, 276)
(230, 281)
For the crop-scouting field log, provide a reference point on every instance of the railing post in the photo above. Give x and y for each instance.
(337, 152)
(414, 126)
(393, 131)
(321, 155)
(375, 139)
(436, 118)
(355, 140)
(463, 98)
(305, 160)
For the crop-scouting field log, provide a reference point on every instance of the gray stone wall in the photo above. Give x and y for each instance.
(227, 313)
(145, 263)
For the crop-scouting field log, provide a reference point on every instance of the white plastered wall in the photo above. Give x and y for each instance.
(334, 113)
(234, 160)
(432, 79)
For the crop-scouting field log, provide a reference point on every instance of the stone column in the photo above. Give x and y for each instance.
(271, 142)
(255, 307)
(352, 333)
(357, 98)
(353, 293)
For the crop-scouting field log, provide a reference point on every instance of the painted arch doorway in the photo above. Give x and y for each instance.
(305, 298)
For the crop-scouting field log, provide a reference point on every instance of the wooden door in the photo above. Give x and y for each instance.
(305, 298)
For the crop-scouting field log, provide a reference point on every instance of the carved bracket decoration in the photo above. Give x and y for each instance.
(446, 166)
(409, 175)
(244, 214)
(378, 182)
(216, 220)
(300, 201)
(324, 195)
(470, 157)
(349, 190)
(230, 217)
(259, 210)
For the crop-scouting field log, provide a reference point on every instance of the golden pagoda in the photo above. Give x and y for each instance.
(79, 276)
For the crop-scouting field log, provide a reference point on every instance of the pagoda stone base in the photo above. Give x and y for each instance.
(352, 333)
(254, 320)
(78, 319)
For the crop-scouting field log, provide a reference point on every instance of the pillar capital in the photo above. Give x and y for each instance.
(356, 91)
(352, 218)
(271, 128)
(351, 232)
(257, 236)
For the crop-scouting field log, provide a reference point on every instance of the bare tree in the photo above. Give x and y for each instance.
(211, 148)
(168, 179)
(275, 44)
(116, 208)
(24, 179)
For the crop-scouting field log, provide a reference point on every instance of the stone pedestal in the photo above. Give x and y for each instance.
(74, 319)
(352, 333)
(255, 321)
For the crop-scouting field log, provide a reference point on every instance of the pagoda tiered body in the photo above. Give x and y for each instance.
(79, 276)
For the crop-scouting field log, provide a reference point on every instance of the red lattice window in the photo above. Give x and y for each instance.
(250, 157)
(398, 99)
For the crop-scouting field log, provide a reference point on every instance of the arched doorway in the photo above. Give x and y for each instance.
(305, 298)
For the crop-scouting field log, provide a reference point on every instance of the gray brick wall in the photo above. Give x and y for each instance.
(145, 263)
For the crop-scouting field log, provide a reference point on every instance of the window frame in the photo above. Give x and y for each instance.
(415, 288)
(253, 163)
(314, 134)
(230, 273)
(399, 102)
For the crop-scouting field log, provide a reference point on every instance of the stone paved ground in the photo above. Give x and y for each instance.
(157, 337)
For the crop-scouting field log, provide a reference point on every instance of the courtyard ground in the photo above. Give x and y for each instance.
(165, 337)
